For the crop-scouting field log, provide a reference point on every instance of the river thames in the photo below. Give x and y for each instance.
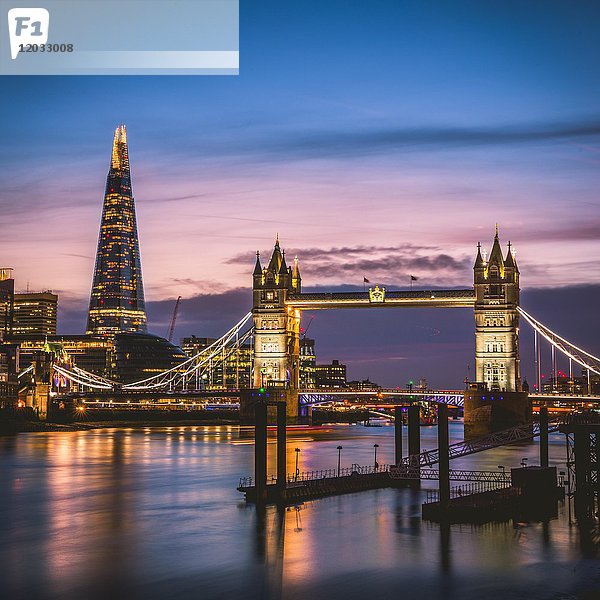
(154, 513)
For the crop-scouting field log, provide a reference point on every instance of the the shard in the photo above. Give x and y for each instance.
(117, 298)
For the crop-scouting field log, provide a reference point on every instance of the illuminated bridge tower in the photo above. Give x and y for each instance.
(277, 328)
(117, 298)
(496, 401)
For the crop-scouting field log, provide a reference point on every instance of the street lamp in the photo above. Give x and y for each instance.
(524, 462)
(375, 446)
(339, 449)
(503, 469)
(297, 451)
(263, 372)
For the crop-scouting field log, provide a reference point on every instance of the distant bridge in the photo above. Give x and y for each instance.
(323, 396)
(387, 396)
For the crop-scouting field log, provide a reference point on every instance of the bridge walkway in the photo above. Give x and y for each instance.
(494, 440)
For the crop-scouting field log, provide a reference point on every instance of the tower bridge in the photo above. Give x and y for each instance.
(278, 301)
(495, 400)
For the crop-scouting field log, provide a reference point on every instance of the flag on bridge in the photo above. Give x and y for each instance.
(413, 278)
(365, 280)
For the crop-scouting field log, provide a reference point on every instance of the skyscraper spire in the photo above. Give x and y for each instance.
(120, 156)
(117, 298)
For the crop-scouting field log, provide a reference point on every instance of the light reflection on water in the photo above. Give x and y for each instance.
(154, 513)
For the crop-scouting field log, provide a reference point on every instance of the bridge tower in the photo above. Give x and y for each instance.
(277, 328)
(496, 282)
(496, 399)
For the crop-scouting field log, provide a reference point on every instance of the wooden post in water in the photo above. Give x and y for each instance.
(543, 436)
(281, 448)
(444, 455)
(414, 429)
(398, 433)
(260, 450)
(414, 438)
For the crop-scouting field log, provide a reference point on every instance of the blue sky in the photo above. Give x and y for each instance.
(394, 130)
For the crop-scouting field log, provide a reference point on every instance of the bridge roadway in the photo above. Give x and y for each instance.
(409, 299)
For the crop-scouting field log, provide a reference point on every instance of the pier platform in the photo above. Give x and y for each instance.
(317, 484)
(530, 494)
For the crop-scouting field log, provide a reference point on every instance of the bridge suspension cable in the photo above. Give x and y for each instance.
(25, 371)
(173, 378)
(217, 350)
(81, 379)
(580, 356)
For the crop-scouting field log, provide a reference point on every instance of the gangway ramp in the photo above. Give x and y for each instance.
(513, 435)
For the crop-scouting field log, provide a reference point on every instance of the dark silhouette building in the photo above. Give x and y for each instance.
(141, 355)
(7, 297)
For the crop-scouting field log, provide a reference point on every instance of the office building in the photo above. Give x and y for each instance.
(331, 375)
(117, 298)
(9, 369)
(7, 293)
(34, 314)
(308, 363)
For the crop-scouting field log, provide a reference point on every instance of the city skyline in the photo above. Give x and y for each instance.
(315, 315)
(377, 164)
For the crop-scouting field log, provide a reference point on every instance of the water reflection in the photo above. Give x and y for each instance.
(270, 543)
(154, 513)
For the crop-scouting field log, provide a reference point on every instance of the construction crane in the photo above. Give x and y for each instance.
(174, 319)
(304, 331)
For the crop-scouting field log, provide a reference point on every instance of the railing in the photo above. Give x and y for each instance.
(470, 489)
(306, 476)
(344, 472)
(481, 481)
(586, 418)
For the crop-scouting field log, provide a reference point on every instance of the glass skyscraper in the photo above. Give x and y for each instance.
(117, 299)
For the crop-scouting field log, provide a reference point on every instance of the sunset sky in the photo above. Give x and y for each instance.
(378, 139)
